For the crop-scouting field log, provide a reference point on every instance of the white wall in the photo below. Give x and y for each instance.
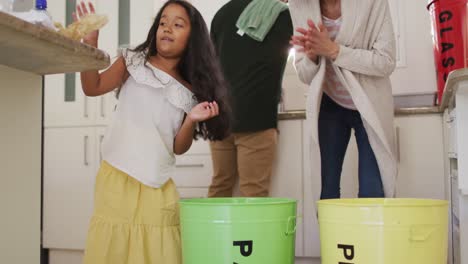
(418, 76)
(143, 12)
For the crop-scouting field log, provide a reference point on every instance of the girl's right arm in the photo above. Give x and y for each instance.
(93, 82)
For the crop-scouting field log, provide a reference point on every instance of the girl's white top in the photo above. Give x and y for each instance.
(150, 112)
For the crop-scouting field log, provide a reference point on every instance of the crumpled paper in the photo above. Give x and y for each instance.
(79, 29)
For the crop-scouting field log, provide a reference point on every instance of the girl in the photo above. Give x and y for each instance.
(171, 90)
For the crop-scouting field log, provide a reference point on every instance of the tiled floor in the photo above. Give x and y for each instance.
(76, 257)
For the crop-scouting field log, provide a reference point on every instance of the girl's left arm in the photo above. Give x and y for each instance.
(201, 112)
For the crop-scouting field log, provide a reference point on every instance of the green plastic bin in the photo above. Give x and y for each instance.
(238, 230)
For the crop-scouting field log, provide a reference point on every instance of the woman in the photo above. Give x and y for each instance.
(346, 53)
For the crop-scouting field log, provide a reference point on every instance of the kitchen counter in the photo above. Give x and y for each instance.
(291, 115)
(27, 52)
(451, 87)
(36, 49)
(455, 104)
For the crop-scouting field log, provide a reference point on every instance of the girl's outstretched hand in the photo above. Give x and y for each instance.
(204, 111)
(81, 11)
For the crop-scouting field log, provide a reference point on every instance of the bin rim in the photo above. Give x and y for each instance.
(384, 202)
(250, 201)
(431, 3)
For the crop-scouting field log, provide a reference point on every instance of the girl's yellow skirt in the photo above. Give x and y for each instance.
(133, 223)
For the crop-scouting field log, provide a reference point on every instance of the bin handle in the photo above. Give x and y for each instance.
(291, 225)
(421, 233)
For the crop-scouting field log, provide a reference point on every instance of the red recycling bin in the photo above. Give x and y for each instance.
(449, 31)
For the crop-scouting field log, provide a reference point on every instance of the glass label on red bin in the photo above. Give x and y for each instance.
(449, 29)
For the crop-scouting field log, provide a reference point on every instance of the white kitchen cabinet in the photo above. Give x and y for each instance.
(192, 193)
(455, 103)
(71, 161)
(106, 106)
(61, 112)
(193, 171)
(65, 256)
(420, 148)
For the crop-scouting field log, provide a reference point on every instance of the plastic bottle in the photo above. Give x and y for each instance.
(43, 17)
(37, 15)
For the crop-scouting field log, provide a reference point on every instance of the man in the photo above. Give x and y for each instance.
(252, 40)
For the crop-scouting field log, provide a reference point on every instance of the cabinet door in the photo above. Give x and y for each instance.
(193, 193)
(62, 109)
(100, 134)
(69, 175)
(199, 147)
(421, 155)
(105, 108)
(287, 172)
(193, 171)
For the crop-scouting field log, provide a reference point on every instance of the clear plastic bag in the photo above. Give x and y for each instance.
(87, 24)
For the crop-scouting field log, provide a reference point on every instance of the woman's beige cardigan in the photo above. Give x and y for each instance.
(364, 64)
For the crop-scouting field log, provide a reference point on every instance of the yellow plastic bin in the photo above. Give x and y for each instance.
(383, 231)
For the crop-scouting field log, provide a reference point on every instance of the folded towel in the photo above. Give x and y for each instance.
(259, 17)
